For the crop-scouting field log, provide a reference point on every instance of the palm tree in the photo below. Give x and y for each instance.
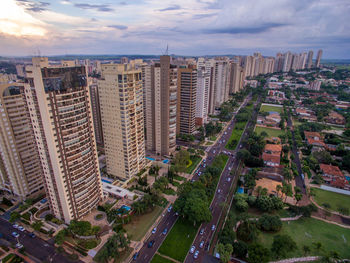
(306, 250)
(278, 189)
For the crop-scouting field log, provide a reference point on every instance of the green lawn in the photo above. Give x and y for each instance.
(269, 131)
(139, 225)
(159, 259)
(178, 241)
(296, 123)
(195, 160)
(268, 108)
(305, 231)
(334, 199)
(212, 138)
(235, 135)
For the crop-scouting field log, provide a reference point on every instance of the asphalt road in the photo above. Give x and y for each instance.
(207, 230)
(38, 250)
(145, 254)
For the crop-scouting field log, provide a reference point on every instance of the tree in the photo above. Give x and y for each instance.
(318, 246)
(81, 228)
(60, 237)
(116, 243)
(37, 225)
(240, 249)
(282, 244)
(247, 230)
(197, 210)
(225, 252)
(14, 216)
(265, 203)
(270, 223)
(258, 254)
(278, 189)
(306, 250)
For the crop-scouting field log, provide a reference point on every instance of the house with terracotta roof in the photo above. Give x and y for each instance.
(272, 160)
(273, 149)
(333, 176)
(314, 139)
(335, 118)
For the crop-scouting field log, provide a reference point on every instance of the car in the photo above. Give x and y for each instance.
(224, 141)
(199, 174)
(15, 234)
(213, 227)
(192, 249)
(169, 208)
(204, 160)
(219, 191)
(165, 231)
(154, 230)
(228, 179)
(225, 133)
(192, 180)
(19, 245)
(196, 254)
(202, 231)
(201, 244)
(15, 226)
(21, 228)
(176, 213)
(214, 151)
(32, 235)
(151, 243)
(229, 168)
(134, 257)
(204, 165)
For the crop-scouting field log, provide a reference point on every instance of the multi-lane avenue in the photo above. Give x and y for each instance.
(38, 250)
(146, 253)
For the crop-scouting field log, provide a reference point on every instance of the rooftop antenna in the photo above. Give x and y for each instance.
(167, 50)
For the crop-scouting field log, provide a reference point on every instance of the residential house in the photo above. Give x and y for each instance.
(333, 176)
(314, 139)
(335, 118)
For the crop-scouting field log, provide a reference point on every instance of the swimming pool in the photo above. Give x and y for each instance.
(166, 161)
(240, 190)
(150, 158)
(347, 178)
(106, 181)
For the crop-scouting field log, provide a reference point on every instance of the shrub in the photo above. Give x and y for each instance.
(88, 244)
(73, 256)
(240, 249)
(49, 217)
(26, 216)
(33, 210)
(99, 216)
(25, 222)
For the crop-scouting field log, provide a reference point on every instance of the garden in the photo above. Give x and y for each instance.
(268, 108)
(270, 131)
(330, 200)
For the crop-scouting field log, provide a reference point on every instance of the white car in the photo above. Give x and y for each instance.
(201, 244)
(15, 226)
(196, 254)
(202, 231)
(213, 227)
(228, 179)
(225, 133)
(154, 230)
(170, 207)
(193, 248)
(214, 151)
(219, 191)
(15, 234)
(21, 228)
(19, 245)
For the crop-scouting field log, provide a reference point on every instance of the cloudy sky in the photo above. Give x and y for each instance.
(189, 27)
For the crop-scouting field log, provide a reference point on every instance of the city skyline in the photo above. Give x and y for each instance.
(60, 27)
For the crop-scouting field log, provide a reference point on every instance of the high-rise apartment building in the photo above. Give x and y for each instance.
(20, 168)
(202, 96)
(309, 59)
(96, 113)
(186, 100)
(160, 87)
(318, 58)
(219, 90)
(64, 132)
(121, 100)
(236, 77)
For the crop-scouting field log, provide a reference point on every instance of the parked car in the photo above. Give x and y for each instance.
(19, 245)
(151, 243)
(196, 254)
(15, 234)
(213, 227)
(192, 249)
(202, 231)
(165, 231)
(32, 235)
(154, 230)
(169, 208)
(134, 257)
(15, 226)
(207, 246)
(201, 244)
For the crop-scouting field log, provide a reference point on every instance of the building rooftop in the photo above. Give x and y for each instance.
(331, 170)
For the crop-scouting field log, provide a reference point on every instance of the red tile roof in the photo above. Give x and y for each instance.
(273, 158)
(277, 148)
(331, 170)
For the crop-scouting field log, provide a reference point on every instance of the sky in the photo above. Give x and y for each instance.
(188, 27)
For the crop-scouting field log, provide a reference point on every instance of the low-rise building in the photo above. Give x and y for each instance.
(335, 118)
(333, 176)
